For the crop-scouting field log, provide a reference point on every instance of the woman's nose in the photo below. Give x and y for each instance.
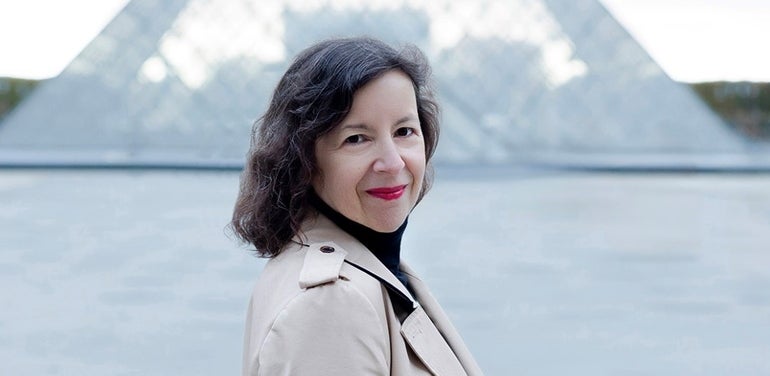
(389, 158)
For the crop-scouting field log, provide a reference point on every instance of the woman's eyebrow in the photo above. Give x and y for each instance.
(359, 126)
(406, 119)
(354, 126)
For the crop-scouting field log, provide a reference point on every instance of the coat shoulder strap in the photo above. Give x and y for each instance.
(322, 264)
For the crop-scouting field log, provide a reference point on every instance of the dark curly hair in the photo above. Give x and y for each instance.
(312, 97)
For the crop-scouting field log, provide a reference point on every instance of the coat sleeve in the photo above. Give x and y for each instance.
(331, 329)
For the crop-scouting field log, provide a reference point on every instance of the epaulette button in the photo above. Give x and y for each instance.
(326, 249)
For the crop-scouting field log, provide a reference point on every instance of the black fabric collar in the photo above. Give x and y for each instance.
(386, 246)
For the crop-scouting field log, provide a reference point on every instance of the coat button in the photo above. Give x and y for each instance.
(327, 249)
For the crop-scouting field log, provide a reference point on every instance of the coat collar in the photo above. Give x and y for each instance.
(427, 329)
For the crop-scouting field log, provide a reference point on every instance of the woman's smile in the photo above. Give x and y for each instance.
(388, 193)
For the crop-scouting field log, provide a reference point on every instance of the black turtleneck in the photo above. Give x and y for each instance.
(386, 246)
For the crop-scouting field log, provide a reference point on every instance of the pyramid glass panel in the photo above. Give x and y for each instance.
(182, 81)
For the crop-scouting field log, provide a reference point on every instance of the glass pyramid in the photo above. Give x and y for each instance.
(181, 82)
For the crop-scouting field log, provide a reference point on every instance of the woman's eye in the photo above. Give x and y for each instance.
(354, 139)
(405, 131)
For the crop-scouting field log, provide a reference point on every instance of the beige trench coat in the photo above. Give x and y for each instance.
(323, 308)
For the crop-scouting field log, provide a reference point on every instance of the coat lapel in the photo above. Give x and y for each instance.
(442, 323)
(427, 343)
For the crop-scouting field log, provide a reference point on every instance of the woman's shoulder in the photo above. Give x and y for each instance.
(310, 289)
(309, 301)
(302, 274)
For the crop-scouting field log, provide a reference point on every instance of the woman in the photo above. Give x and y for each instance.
(337, 163)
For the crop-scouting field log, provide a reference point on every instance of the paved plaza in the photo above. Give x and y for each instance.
(127, 272)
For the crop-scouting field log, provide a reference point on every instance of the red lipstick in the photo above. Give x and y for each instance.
(387, 193)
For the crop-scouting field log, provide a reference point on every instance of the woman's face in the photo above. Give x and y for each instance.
(372, 164)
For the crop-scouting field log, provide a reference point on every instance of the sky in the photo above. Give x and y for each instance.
(692, 40)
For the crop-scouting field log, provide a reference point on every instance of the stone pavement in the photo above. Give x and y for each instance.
(125, 272)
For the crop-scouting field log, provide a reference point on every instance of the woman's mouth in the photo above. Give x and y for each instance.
(387, 193)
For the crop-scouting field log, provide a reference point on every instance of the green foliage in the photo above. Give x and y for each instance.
(744, 105)
(12, 91)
